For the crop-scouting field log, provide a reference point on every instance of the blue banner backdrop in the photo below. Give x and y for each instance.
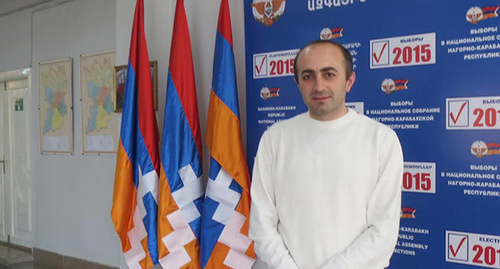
(428, 69)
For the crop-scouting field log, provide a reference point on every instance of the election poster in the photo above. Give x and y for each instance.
(428, 69)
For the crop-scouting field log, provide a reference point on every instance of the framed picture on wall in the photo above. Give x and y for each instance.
(56, 106)
(99, 122)
(120, 77)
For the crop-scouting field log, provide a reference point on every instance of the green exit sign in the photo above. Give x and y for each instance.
(18, 104)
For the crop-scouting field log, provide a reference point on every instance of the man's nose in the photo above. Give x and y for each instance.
(319, 84)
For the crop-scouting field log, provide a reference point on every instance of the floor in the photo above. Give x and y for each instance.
(12, 258)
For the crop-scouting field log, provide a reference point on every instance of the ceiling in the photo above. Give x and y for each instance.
(10, 6)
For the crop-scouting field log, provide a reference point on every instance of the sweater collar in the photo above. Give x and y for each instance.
(336, 123)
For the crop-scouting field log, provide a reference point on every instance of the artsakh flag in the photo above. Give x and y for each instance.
(401, 84)
(135, 197)
(225, 222)
(493, 148)
(181, 186)
(490, 12)
(408, 213)
(337, 32)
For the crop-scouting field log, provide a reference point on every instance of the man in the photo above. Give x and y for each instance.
(326, 186)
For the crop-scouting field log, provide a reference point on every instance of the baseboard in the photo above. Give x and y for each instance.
(18, 247)
(58, 261)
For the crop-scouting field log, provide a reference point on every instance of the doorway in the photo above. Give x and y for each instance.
(16, 191)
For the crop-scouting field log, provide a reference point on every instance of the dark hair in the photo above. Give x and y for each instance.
(345, 53)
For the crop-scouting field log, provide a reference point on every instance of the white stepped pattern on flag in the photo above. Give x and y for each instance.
(218, 190)
(136, 234)
(147, 183)
(237, 242)
(180, 219)
(192, 190)
(176, 240)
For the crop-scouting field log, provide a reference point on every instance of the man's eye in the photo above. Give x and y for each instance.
(306, 77)
(329, 75)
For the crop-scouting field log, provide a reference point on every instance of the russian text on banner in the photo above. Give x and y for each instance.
(181, 186)
(225, 221)
(135, 196)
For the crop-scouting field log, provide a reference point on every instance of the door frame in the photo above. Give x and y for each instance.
(20, 74)
(4, 155)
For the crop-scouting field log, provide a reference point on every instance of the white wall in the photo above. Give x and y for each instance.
(15, 41)
(73, 194)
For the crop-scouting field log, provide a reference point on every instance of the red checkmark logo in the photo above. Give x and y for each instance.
(453, 119)
(258, 67)
(455, 252)
(377, 58)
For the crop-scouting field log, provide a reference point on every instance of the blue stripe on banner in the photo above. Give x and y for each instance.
(212, 228)
(236, 187)
(144, 161)
(129, 120)
(150, 219)
(214, 168)
(150, 224)
(179, 147)
(134, 146)
(224, 74)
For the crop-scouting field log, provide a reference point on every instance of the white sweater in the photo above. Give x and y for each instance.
(326, 194)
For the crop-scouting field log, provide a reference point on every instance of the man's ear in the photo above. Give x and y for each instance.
(350, 82)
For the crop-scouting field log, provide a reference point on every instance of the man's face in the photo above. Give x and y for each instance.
(322, 81)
